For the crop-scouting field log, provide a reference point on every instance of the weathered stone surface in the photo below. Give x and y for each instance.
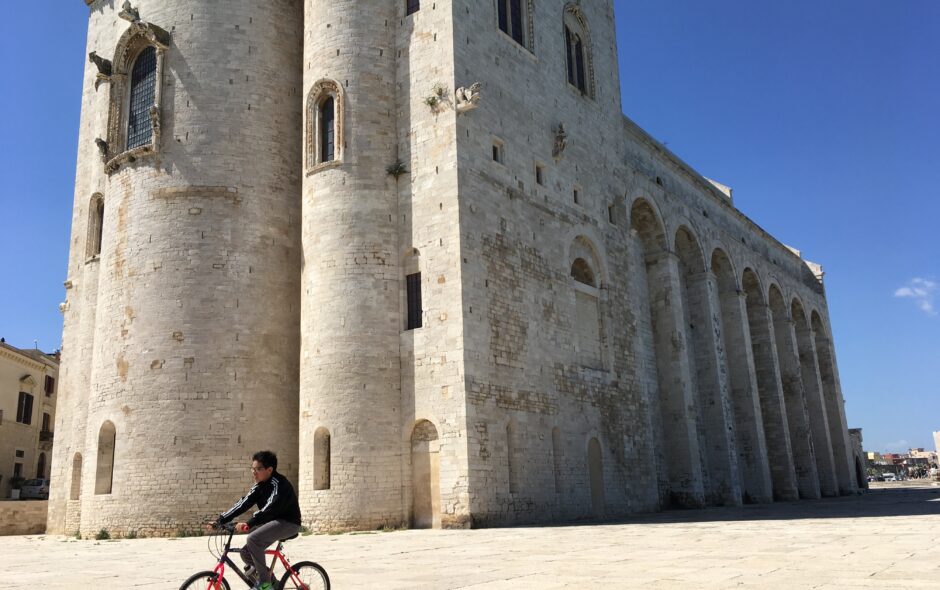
(602, 332)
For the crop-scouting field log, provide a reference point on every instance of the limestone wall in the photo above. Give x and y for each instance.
(194, 311)
(27, 517)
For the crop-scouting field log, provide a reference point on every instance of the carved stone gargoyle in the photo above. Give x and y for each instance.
(468, 99)
(104, 65)
(561, 142)
(129, 13)
(102, 147)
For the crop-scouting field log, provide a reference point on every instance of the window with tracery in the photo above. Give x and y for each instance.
(142, 98)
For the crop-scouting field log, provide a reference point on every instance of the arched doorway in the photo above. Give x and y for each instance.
(596, 477)
(41, 466)
(425, 477)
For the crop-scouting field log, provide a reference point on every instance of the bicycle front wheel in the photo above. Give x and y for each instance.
(205, 581)
(305, 575)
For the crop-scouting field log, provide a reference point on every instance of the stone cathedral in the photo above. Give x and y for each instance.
(416, 249)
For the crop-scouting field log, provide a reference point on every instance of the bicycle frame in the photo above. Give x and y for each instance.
(224, 560)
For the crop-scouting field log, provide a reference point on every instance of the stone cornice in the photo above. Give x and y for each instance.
(12, 354)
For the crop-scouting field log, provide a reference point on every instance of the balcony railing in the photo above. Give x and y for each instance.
(45, 436)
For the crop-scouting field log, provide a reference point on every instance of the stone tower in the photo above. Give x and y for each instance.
(180, 342)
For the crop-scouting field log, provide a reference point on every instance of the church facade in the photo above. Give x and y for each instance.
(416, 249)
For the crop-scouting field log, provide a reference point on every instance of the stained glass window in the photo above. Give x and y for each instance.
(143, 92)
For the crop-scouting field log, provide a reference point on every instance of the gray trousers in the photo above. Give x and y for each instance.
(260, 539)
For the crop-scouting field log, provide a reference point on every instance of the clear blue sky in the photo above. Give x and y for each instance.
(823, 116)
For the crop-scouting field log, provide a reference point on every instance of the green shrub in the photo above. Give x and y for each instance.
(103, 535)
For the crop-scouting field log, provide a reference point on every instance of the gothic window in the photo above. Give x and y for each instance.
(95, 226)
(412, 6)
(142, 97)
(321, 459)
(514, 19)
(134, 118)
(104, 472)
(324, 124)
(414, 301)
(578, 52)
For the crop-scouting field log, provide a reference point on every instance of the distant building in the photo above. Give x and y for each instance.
(28, 381)
(936, 441)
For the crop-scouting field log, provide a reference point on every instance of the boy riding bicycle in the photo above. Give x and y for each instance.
(278, 516)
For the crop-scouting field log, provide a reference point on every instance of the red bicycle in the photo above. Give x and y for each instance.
(305, 575)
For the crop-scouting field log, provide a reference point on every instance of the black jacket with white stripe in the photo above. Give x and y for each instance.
(275, 499)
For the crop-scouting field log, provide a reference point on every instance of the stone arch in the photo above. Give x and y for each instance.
(770, 393)
(75, 491)
(425, 476)
(813, 397)
(661, 328)
(648, 223)
(832, 398)
(585, 245)
(791, 381)
(707, 370)
(320, 93)
(95, 233)
(104, 470)
(322, 456)
(579, 50)
(750, 445)
(138, 38)
(595, 464)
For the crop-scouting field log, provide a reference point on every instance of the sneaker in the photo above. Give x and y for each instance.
(264, 586)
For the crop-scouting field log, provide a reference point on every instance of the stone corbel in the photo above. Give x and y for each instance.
(64, 306)
(104, 68)
(159, 37)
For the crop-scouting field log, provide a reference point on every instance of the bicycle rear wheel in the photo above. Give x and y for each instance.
(306, 575)
(205, 581)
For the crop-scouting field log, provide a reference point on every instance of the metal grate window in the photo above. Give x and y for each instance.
(412, 6)
(328, 130)
(414, 301)
(143, 94)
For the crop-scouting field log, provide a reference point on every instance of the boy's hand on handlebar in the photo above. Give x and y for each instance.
(241, 527)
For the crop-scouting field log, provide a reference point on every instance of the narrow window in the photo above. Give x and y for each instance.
(499, 154)
(24, 408)
(577, 197)
(515, 9)
(579, 65)
(557, 458)
(321, 459)
(412, 6)
(95, 228)
(503, 16)
(539, 175)
(76, 488)
(413, 283)
(46, 422)
(511, 459)
(142, 97)
(328, 130)
(104, 473)
(611, 215)
(569, 51)
(50, 385)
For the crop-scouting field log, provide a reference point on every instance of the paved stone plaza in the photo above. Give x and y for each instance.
(889, 538)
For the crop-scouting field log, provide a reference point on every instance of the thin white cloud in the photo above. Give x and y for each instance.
(922, 291)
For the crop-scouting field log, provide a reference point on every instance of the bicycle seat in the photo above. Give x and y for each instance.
(294, 536)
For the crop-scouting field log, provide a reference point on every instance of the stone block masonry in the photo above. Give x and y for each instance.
(426, 259)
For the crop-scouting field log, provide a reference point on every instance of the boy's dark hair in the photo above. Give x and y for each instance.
(266, 458)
